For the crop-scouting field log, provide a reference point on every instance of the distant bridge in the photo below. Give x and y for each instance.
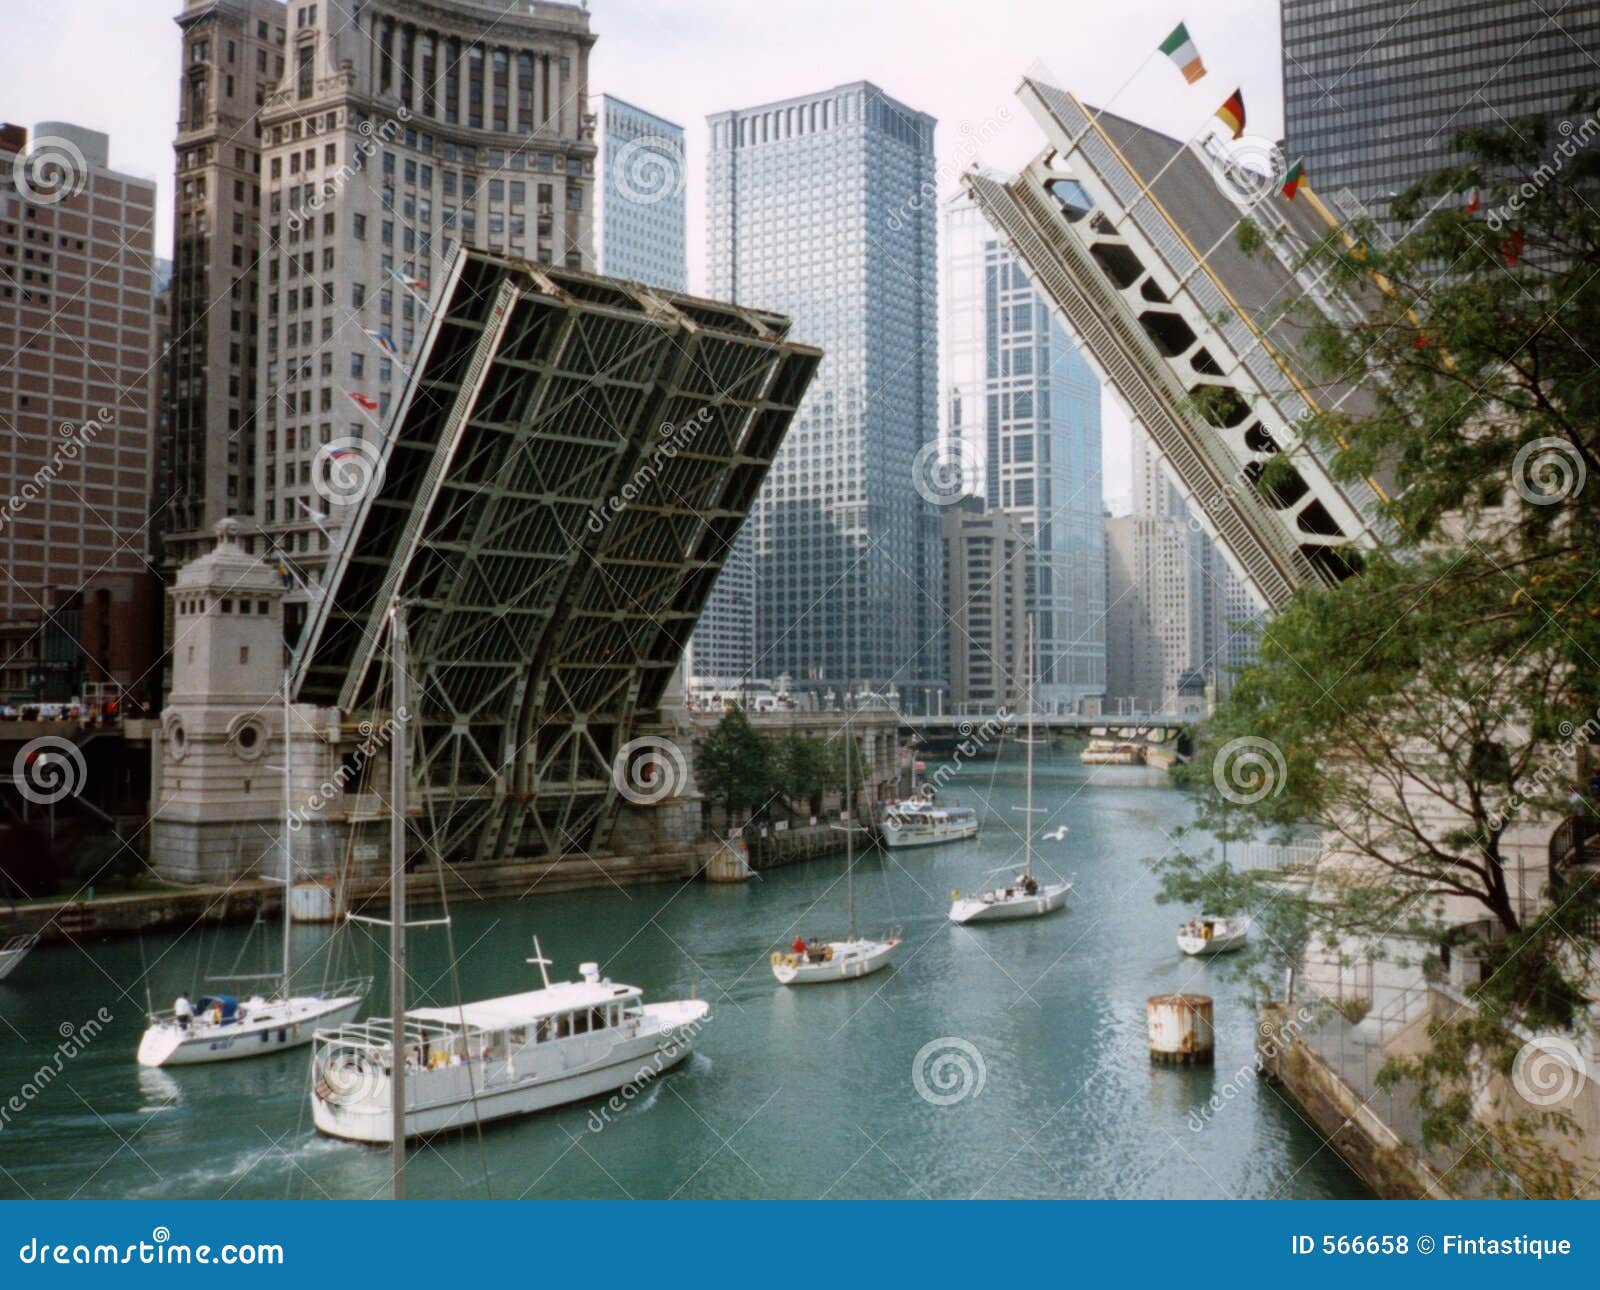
(975, 725)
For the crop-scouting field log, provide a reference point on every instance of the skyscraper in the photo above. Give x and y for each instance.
(79, 606)
(1022, 410)
(816, 209)
(1374, 90)
(232, 55)
(642, 196)
(1176, 608)
(361, 146)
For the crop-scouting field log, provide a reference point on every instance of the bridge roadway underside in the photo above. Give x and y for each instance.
(560, 484)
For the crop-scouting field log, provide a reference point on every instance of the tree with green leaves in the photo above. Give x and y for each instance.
(734, 767)
(1431, 713)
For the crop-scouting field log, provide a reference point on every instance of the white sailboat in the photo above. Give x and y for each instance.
(1024, 896)
(223, 1027)
(815, 962)
(1214, 934)
(466, 1064)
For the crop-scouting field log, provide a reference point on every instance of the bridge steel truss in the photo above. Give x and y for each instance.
(563, 477)
(1130, 235)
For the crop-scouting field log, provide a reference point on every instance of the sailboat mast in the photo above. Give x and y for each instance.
(850, 819)
(399, 766)
(288, 851)
(1027, 837)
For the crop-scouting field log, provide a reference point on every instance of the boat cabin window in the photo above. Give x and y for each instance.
(518, 1036)
(562, 1025)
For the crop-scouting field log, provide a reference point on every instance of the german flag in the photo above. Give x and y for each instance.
(1291, 181)
(1232, 113)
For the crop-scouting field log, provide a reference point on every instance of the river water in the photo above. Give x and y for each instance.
(790, 1093)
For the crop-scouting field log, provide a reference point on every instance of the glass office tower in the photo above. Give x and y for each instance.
(1027, 407)
(1374, 90)
(821, 207)
(642, 213)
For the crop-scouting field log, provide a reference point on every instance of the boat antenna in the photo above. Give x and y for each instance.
(1027, 836)
(544, 963)
(399, 767)
(850, 816)
(288, 854)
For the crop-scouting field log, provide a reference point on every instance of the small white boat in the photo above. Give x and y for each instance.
(494, 1058)
(13, 951)
(1024, 897)
(1211, 934)
(833, 961)
(918, 823)
(224, 1028)
(855, 955)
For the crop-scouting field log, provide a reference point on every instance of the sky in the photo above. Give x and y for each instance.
(112, 65)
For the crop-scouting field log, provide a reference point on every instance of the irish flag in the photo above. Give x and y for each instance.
(1291, 181)
(1185, 57)
(1232, 113)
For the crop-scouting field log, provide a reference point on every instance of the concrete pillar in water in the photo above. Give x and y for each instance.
(1180, 1028)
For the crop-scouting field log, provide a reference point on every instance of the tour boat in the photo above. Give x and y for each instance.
(814, 962)
(222, 1027)
(918, 823)
(1024, 896)
(1111, 752)
(1211, 934)
(13, 951)
(475, 1062)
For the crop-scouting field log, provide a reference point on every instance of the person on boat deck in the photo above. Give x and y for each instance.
(183, 1010)
(1030, 885)
(799, 946)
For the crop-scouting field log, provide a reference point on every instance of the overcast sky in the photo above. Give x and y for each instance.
(112, 65)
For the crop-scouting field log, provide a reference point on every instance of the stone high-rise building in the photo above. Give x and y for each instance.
(233, 53)
(987, 562)
(817, 207)
(378, 137)
(79, 609)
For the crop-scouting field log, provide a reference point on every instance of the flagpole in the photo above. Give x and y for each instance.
(1105, 107)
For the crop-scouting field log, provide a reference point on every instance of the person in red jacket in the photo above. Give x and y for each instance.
(799, 946)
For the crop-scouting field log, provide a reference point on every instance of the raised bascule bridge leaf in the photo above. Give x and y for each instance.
(562, 479)
(1132, 237)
